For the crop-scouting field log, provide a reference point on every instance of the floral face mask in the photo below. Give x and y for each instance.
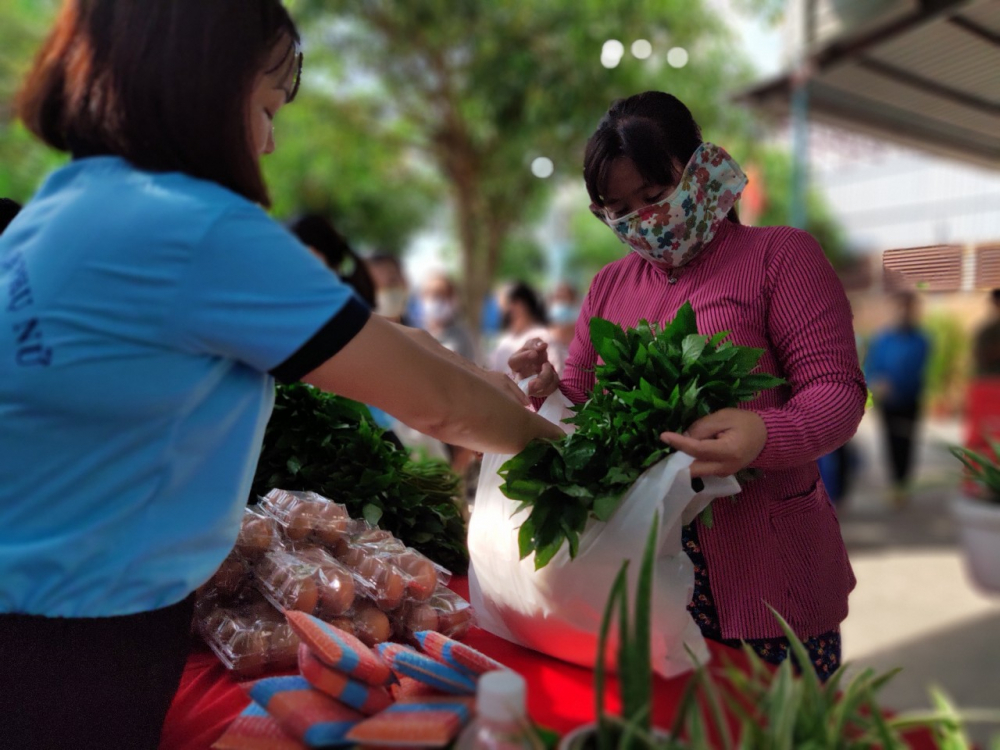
(673, 231)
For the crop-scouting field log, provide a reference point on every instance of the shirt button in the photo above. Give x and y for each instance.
(672, 280)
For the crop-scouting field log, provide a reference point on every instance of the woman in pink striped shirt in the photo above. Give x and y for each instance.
(670, 197)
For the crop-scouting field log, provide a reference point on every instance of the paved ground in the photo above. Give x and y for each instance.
(914, 607)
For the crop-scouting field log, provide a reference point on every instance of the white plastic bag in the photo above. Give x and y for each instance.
(557, 610)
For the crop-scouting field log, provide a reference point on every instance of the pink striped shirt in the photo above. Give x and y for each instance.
(779, 541)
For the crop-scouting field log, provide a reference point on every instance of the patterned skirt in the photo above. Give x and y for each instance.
(823, 649)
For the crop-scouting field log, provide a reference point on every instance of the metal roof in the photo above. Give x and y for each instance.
(924, 73)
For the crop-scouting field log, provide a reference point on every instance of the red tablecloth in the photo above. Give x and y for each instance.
(560, 695)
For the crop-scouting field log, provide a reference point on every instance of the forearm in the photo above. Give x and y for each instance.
(814, 422)
(423, 339)
(386, 368)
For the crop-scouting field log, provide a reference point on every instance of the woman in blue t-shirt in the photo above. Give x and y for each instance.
(147, 305)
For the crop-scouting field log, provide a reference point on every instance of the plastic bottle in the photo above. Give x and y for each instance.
(501, 716)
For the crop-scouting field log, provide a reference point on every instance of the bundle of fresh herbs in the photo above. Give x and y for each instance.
(328, 444)
(651, 381)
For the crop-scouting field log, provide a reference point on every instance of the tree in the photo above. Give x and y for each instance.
(24, 161)
(484, 87)
(330, 159)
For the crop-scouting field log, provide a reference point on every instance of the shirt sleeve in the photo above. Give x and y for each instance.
(255, 294)
(811, 331)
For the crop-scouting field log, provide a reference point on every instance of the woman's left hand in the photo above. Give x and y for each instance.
(722, 443)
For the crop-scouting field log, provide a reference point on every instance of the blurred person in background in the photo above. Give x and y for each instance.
(564, 311)
(524, 320)
(986, 346)
(982, 400)
(318, 234)
(894, 368)
(440, 313)
(330, 246)
(671, 197)
(155, 306)
(392, 293)
(8, 210)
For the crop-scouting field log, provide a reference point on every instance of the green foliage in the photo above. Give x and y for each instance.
(327, 444)
(650, 382)
(947, 365)
(635, 674)
(485, 87)
(776, 709)
(330, 159)
(24, 161)
(776, 170)
(983, 469)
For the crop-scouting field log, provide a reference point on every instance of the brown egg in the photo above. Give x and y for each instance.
(255, 538)
(250, 657)
(352, 556)
(336, 592)
(422, 575)
(455, 624)
(332, 524)
(344, 623)
(340, 548)
(389, 585)
(419, 618)
(230, 578)
(299, 523)
(305, 595)
(371, 626)
(284, 645)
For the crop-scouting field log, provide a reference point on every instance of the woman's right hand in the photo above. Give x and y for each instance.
(533, 359)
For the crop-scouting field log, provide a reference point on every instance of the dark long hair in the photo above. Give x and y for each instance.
(655, 130)
(318, 233)
(522, 292)
(162, 83)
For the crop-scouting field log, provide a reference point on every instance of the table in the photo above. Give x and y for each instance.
(560, 695)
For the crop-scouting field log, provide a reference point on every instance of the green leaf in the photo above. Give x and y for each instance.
(745, 360)
(545, 553)
(294, 465)
(606, 505)
(692, 348)
(372, 513)
(718, 338)
(618, 589)
(526, 537)
(684, 323)
(602, 337)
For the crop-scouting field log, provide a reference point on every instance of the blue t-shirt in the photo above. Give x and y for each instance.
(143, 320)
(899, 357)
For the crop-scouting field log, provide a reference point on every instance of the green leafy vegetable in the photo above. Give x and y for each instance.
(650, 381)
(328, 444)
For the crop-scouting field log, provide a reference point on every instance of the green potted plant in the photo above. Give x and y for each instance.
(773, 708)
(978, 514)
(633, 729)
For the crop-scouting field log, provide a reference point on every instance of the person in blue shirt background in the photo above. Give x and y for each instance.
(894, 368)
(148, 304)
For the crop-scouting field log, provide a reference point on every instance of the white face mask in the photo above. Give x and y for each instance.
(673, 231)
(563, 313)
(391, 303)
(437, 311)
